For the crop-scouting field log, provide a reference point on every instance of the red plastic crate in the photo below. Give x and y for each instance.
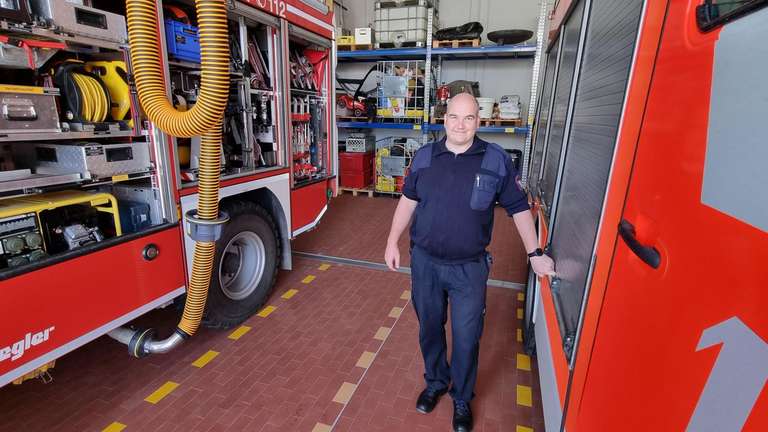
(399, 182)
(355, 162)
(356, 180)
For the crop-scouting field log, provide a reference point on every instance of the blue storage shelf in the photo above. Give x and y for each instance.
(467, 53)
(486, 52)
(427, 127)
(378, 125)
(487, 129)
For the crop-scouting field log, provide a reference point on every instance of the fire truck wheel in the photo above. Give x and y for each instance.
(244, 267)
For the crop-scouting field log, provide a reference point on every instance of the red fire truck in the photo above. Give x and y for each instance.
(648, 175)
(98, 198)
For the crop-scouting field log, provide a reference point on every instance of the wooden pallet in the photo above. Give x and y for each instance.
(489, 122)
(352, 119)
(501, 122)
(354, 47)
(456, 43)
(356, 191)
(410, 120)
(408, 44)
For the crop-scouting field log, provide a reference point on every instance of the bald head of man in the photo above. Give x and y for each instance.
(461, 121)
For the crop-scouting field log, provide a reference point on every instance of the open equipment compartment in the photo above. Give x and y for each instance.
(308, 76)
(77, 164)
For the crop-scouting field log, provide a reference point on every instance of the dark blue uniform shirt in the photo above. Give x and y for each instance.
(456, 196)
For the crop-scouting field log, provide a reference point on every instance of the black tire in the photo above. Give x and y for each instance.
(358, 112)
(246, 220)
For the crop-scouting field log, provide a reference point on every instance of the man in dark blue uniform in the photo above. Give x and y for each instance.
(450, 192)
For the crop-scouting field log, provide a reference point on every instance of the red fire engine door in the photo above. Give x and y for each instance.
(681, 341)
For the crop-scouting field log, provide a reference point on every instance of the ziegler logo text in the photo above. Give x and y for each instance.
(18, 348)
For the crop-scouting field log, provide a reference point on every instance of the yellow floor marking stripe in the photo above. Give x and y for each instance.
(205, 359)
(519, 335)
(395, 312)
(524, 396)
(114, 427)
(308, 279)
(324, 267)
(405, 295)
(521, 296)
(290, 293)
(266, 311)
(519, 428)
(365, 360)
(382, 333)
(319, 427)
(523, 362)
(519, 313)
(237, 334)
(162, 392)
(344, 393)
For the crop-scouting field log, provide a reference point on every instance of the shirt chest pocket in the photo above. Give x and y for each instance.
(483, 191)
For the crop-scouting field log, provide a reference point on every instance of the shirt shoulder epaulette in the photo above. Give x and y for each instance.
(495, 159)
(422, 159)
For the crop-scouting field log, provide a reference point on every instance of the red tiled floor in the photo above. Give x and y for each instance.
(357, 227)
(284, 373)
(385, 399)
(281, 375)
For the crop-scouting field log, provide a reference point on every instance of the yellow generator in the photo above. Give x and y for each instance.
(33, 227)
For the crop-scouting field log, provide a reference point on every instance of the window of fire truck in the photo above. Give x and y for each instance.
(543, 120)
(714, 13)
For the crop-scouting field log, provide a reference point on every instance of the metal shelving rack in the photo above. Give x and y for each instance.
(429, 54)
(519, 51)
(464, 53)
(25, 183)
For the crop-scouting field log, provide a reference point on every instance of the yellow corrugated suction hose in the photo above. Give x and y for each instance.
(204, 118)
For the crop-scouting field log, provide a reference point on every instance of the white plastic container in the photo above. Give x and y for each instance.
(398, 26)
(486, 107)
(363, 36)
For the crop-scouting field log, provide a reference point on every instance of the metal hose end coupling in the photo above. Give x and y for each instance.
(204, 230)
(136, 346)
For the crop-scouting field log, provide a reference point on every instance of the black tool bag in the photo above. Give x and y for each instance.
(471, 30)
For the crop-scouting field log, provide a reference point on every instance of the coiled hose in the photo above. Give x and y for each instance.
(205, 118)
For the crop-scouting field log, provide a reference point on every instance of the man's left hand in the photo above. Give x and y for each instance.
(543, 265)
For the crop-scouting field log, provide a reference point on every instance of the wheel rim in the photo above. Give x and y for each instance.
(242, 265)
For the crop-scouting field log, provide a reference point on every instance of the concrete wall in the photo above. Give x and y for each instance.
(496, 77)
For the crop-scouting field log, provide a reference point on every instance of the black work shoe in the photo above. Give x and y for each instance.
(428, 399)
(462, 416)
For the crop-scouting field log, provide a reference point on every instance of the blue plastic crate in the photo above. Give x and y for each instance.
(182, 40)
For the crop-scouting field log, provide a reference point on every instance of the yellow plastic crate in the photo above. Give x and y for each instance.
(385, 184)
(411, 113)
(345, 40)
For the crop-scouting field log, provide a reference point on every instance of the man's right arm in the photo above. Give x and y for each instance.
(403, 214)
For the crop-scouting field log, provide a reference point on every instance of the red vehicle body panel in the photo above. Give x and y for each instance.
(97, 288)
(641, 363)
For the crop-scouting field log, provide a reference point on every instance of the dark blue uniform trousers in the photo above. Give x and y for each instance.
(435, 285)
